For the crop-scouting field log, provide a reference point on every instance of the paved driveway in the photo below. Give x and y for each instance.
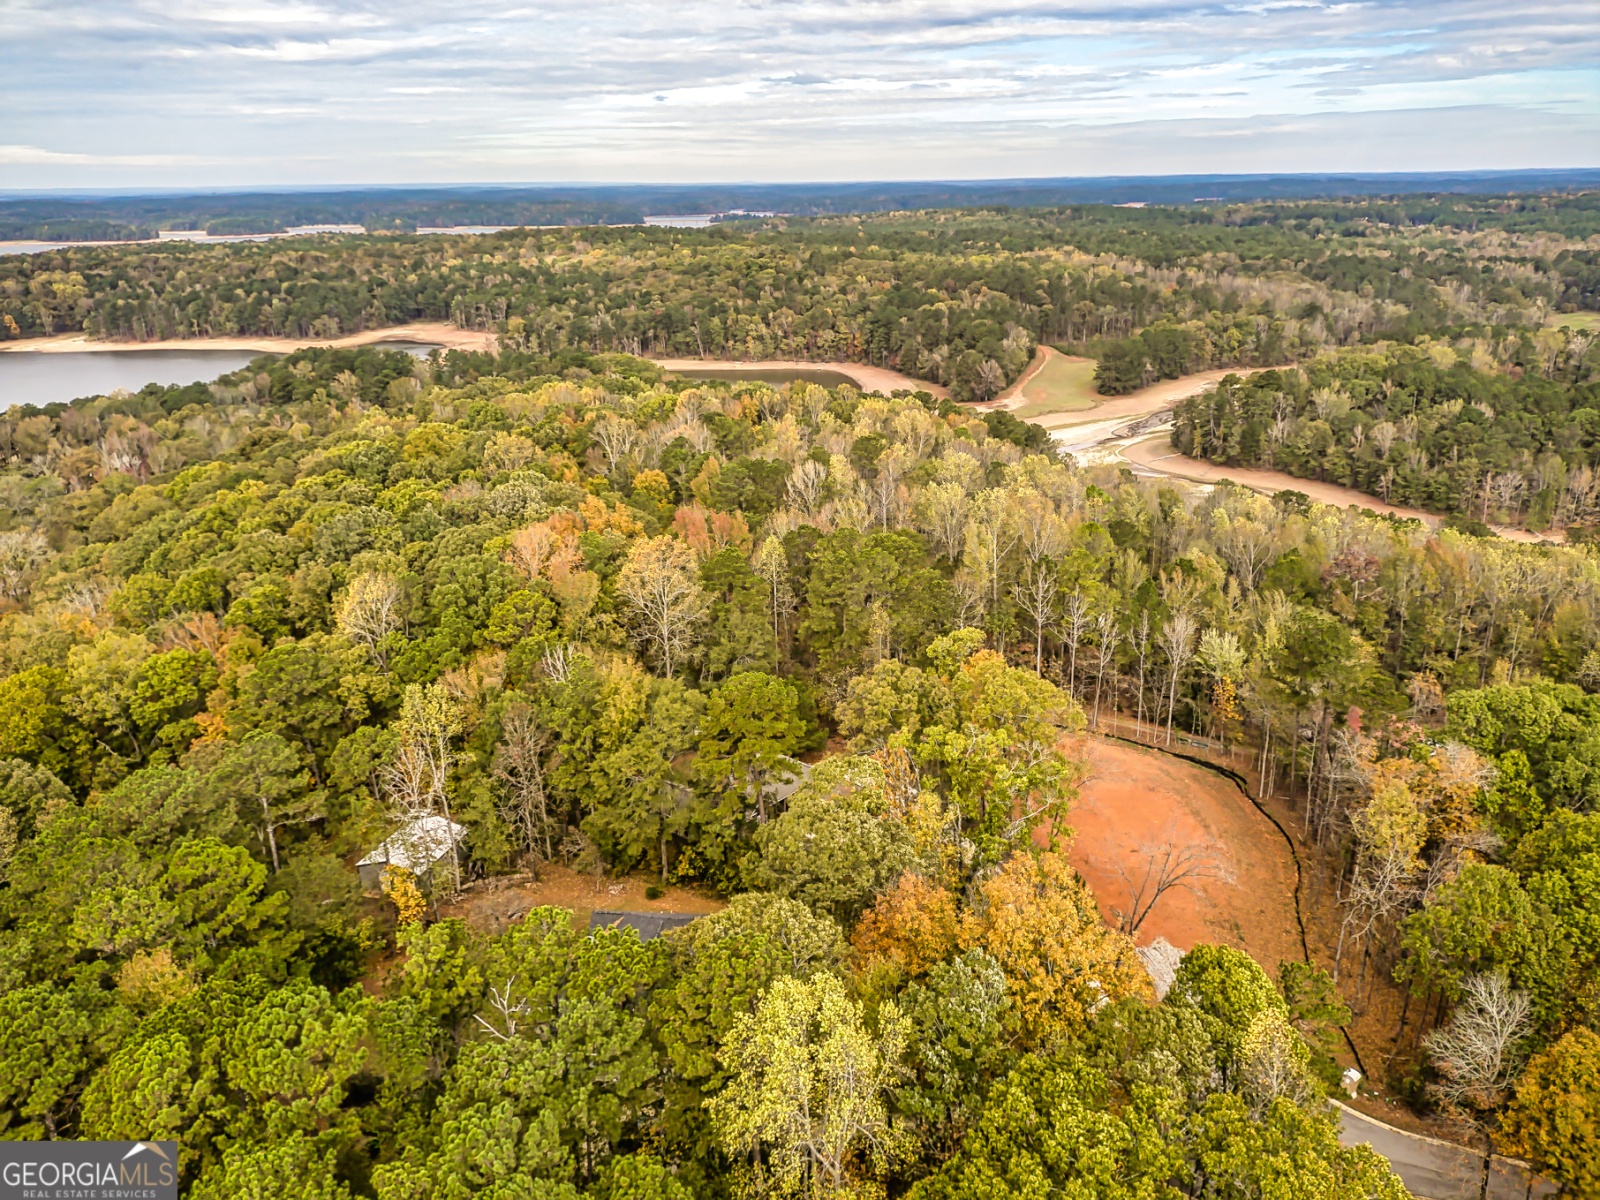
(1429, 1168)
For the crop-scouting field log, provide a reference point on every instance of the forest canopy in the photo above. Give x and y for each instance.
(939, 295)
(823, 660)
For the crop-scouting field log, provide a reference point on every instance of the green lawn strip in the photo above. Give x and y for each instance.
(1059, 386)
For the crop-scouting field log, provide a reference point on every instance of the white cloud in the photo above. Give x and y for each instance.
(485, 89)
(35, 155)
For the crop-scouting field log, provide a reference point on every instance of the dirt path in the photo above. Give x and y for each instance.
(1136, 798)
(440, 332)
(1011, 399)
(1156, 454)
(1153, 399)
(492, 905)
(868, 378)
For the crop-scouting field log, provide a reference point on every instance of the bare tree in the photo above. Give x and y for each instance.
(942, 513)
(1177, 640)
(772, 565)
(661, 589)
(1383, 435)
(511, 1009)
(369, 611)
(1390, 830)
(886, 496)
(1140, 641)
(917, 430)
(989, 536)
(1477, 1052)
(1043, 533)
(1035, 594)
(805, 485)
(1246, 531)
(1074, 620)
(990, 379)
(415, 780)
(557, 663)
(1105, 658)
(518, 766)
(1161, 867)
(617, 437)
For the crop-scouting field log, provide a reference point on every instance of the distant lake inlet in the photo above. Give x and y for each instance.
(33, 377)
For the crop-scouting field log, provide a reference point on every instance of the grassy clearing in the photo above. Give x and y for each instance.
(1061, 385)
(1589, 321)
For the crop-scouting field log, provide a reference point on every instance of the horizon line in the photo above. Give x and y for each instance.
(1020, 180)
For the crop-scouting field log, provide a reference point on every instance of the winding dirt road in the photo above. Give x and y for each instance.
(1011, 399)
(1156, 456)
(868, 378)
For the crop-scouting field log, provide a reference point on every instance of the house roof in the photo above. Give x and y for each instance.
(417, 846)
(647, 924)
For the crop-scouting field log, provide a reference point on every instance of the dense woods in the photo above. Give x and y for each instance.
(815, 653)
(959, 298)
(1441, 427)
(823, 662)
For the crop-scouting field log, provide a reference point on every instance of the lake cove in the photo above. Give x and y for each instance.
(34, 377)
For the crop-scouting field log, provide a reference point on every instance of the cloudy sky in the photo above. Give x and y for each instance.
(113, 93)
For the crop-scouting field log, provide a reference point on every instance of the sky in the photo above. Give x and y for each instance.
(235, 93)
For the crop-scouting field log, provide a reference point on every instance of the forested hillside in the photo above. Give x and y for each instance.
(595, 616)
(1438, 427)
(957, 298)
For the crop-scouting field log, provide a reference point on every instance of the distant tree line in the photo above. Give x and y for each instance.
(957, 298)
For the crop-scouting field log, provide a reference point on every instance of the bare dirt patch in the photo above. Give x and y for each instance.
(1135, 798)
(1156, 454)
(1142, 403)
(868, 378)
(492, 905)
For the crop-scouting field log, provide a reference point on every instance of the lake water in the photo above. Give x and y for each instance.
(686, 221)
(30, 377)
(772, 375)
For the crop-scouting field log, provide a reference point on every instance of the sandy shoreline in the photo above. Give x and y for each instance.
(868, 378)
(1157, 455)
(440, 332)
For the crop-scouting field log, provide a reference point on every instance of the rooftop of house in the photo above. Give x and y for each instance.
(647, 924)
(417, 846)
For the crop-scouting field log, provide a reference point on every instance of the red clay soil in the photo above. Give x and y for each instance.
(492, 905)
(1135, 798)
(1388, 1045)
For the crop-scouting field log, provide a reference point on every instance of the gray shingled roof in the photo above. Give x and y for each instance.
(648, 924)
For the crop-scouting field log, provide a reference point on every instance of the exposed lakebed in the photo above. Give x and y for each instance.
(773, 375)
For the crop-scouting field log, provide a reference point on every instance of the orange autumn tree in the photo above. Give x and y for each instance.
(708, 531)
(913, 926)
(1038, 920)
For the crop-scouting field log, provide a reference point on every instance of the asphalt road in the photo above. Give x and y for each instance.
(1429, 1168)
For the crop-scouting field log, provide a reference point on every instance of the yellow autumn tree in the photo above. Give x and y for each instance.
(913, 926)
(1038, 920)
(400, 885)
